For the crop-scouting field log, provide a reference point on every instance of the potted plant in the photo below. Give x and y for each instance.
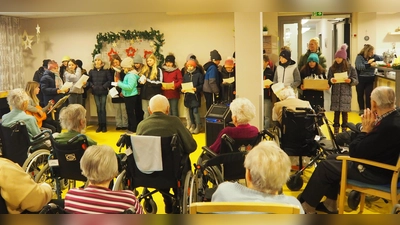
(265, 30)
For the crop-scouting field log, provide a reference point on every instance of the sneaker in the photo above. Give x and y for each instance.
(104, 129)
(98, 129)
(192, 128)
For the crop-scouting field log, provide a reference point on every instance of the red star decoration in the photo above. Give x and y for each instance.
(147, 53)
(130, 51)
(111, 52)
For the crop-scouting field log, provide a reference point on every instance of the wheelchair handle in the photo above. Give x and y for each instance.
(227, 138)
(121, 140)
(41, 134)
(76, 138)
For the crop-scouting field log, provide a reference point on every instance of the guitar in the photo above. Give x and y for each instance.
(39, 119)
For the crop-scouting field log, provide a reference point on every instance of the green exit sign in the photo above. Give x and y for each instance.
(317, 14)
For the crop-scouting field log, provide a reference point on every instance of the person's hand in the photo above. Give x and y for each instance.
(373, 64)
(183, 91)
(194, 89)
(347, 80)
(371, 61)
(41, 113)
(368, 121)
(333, 80)
(163, 88)
(267, 86)
(327, 87)
(302, 87)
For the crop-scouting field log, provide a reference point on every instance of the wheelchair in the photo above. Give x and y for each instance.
(212, 169)
(175, 174)
(16, 146)
(63, 167)
(53, 208)
(299, 135)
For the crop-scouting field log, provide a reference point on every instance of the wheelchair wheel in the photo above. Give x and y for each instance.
(149, 206)
(186, 195)
(118, 185)
(36, 161)
(353, 200)
(45, 176)
(295, 182)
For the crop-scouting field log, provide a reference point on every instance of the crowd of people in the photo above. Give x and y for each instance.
(146, 103)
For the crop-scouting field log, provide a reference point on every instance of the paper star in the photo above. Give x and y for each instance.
(130, 51)
(28, 43)
(132, 41)
(37, 29)
(114, 44)
(27, 40)
(147, 53)
(111, 52)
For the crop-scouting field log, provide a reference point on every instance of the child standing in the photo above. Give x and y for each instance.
(171, 73)
(287, 72)
(192, 100)
(228, 89)
(341, 90)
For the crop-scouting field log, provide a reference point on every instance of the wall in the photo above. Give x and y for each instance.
(184, 34)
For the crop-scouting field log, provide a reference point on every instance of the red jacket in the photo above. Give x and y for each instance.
(176, 77)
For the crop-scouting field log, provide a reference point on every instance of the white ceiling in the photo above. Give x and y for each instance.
(35, 15)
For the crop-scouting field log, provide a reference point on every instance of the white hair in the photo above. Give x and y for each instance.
(158, 103)
(243, 109)
(269, 167)
(71, 117)
(385, 97)
(285, 93)
(16, 98)
(99, 164)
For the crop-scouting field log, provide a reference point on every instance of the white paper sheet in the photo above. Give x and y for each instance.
(113, 92)
(79, 83)
(188, 87)
(66, 85)
(142, 79)
(114, 84)
(229, 80)
(340, 77)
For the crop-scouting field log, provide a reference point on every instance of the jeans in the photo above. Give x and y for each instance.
(121, 118)
(130, 103)
(194, 116)
(101, 108)
(173, 107)
(75, 99)
(145, 105)
(364, 89)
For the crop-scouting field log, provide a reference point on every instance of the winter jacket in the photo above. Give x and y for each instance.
(228, 89)
(212, 79)
(341, 92)
(365, 72)
(268, 74)
(48, 87)
(152, 87)
(74, 77)
(169, 75)
(288, 75)
(194, 100)
(303, 59)
(118, 99)
(100, 81)
(36, 77)
(129, 84)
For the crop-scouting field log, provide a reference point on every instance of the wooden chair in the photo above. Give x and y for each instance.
(389, 192)
(250, 207)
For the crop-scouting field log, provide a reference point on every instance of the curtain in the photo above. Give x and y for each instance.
(11, 60)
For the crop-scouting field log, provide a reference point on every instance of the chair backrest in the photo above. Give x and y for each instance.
(175, 162)
(15, 142)
(69, 156)
(298, 131)
(242, 207)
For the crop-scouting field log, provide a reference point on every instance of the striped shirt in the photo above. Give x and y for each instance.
(99, 200)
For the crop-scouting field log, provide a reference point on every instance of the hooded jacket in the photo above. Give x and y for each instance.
(212, 79)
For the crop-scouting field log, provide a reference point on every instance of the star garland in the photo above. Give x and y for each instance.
(130, 51)
(27, 40)
(155, 37)
(111, 53)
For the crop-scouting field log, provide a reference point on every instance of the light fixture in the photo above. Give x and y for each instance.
(305, 29)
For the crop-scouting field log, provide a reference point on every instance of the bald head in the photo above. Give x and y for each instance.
(384, 97)
(159, 103)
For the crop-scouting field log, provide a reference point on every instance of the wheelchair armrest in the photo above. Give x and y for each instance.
(209, 151)
(121, 141)
(265, 132)
(368, 162)
(41, 134)
(72, 140)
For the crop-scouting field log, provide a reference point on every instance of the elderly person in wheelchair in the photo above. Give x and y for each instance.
(378, 141)
(243, 111)
(99, 165)
(72, 119)
(18, 101)
(18, 192)
(267, 170)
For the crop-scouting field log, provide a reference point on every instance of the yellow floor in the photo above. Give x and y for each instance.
(111, 137)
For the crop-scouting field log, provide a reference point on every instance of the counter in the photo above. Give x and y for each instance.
(391, 78)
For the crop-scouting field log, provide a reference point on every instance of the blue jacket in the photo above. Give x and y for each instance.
(48, 87)
(99, 81)
(212, 79)
(129, 84)
(365, 72)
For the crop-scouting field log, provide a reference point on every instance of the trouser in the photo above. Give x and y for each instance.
(364, 89)
(209, 97)
(267, 113)
(325, 180)
(130, 103)
(101, 109)
(75, 99)
(121, 117)
(194, 116)
(138, 110)
(336, 119)
(53, 125)
(145, 105)
(173, 107)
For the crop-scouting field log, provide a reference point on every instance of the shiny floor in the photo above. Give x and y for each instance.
(110, 138)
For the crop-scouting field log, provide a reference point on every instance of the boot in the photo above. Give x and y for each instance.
(197, 130)
(192, 128)
(99, 128)
(344, 129)
(335, 130)
(104, 128)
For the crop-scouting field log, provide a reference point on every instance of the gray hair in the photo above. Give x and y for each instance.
(243, 109)
(385, 97)
(285, 93)
(269, 167)
(16, 98)
(316, 40)
(158, 103)
(99, 164)
(71, 116)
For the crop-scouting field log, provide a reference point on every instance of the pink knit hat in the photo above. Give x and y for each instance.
(341, 53)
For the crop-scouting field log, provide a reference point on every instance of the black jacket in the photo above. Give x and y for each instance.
(48, 87)
(100, 81)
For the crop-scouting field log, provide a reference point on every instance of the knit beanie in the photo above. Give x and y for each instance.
(215, 55)
(190, 56)
(127, 62)
(46, 62)
(97, 56)
(138, 59)
(313, 57)
(65, 58)
(79, 63)
(341, 53)
(191, 62)
(286, 54)
(170, 58)
(229, 62)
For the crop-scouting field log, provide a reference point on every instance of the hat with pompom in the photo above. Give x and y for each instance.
(138, 59)
(229, 62)
(313, 57)
(341, 53)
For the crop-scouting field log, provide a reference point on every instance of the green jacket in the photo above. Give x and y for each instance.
(64, 137)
